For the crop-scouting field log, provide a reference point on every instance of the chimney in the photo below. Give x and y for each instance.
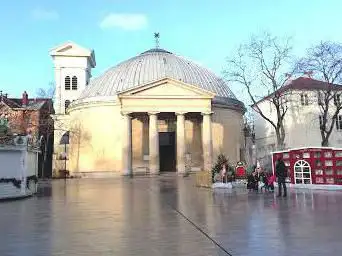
(24, 100)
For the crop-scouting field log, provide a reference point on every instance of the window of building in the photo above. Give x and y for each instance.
(319, 180)
(329, 172)
(304, 100)
(302, 172)
(74, 83)
(67, 83)
(66, 105)
(328, 163)
(317, 155)
(330, 180)
(339, 123)
(328, 154)
(319, 172)
(306, 155)
(338, 154)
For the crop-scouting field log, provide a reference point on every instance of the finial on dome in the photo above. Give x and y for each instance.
(156, 37)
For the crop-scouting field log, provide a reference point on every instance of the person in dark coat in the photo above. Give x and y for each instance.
(281, 173)
(252, 182)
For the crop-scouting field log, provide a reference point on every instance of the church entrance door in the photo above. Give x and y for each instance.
(167, 151)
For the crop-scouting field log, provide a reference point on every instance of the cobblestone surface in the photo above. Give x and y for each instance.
(165, 216)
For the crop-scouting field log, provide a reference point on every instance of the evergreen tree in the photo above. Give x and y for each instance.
(222, 160)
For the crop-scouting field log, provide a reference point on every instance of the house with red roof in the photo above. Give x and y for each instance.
(31, 116)
(302, 97)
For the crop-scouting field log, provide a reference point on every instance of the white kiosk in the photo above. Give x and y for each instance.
(18, 165)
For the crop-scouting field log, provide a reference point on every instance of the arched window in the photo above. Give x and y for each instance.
(302, 172)
(67, 83)
(66, 105)
(74, 83)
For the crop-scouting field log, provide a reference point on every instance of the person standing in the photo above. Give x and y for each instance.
(281, 173)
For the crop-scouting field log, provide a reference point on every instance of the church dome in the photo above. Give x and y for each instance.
(153, 65)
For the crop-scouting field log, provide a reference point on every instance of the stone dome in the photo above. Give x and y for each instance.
(153, 65)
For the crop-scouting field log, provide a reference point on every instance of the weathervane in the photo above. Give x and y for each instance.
(156, 37)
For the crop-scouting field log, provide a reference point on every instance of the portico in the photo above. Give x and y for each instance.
(176, 98)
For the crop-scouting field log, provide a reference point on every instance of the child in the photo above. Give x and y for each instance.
(271, 180)
(263, 181)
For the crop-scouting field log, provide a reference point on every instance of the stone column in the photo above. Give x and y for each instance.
(127, 144)
(154, 142)
(180, 133)
(207, 141)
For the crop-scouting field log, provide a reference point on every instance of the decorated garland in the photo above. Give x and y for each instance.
(17, 183)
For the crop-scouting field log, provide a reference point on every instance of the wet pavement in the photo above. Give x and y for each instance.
(168, 216)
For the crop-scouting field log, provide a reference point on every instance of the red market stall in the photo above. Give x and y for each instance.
(321, 166)
(240, 170)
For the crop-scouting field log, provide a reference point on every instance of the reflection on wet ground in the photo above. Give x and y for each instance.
(168, 216)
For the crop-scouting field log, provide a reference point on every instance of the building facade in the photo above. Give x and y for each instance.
(154, 112)
(302, 121)
(31, 116)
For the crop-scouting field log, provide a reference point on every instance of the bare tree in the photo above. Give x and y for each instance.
(259, 66)
(324, 62)
(46, 123)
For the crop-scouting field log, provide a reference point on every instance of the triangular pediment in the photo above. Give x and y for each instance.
(70, 49)
(167, 87)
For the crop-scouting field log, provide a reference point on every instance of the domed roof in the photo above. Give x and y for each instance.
(154, 65)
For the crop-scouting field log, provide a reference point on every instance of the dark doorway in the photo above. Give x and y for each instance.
(167, 151)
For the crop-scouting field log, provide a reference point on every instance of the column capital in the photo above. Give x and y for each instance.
(152, 113)
(126, 113)
(207, 113)
(180, 113)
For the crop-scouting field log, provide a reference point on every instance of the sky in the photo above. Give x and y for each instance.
(206, 31)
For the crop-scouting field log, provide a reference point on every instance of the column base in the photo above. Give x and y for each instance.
(128, 173)
(183, 174)
(154, 174)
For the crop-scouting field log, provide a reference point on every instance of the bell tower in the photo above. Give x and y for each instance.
(72, 66)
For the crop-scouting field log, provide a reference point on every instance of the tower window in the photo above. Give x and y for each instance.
(74, 83)
(304, 100)
(67, 83)
(66, 105)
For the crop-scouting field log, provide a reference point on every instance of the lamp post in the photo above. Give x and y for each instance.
(65, 141)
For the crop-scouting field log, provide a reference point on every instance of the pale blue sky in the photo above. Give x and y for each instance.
(204, 31)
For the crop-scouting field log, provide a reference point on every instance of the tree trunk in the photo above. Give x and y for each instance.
(325, 141)
(44, 158)
(280, 139)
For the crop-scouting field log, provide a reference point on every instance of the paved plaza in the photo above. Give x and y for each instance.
(168, 215)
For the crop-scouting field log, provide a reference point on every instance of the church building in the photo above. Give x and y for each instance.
(155, 112)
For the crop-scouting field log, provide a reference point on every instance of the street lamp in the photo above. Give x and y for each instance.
(65, 141)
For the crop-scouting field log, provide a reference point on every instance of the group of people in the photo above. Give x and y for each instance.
(259, 179)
